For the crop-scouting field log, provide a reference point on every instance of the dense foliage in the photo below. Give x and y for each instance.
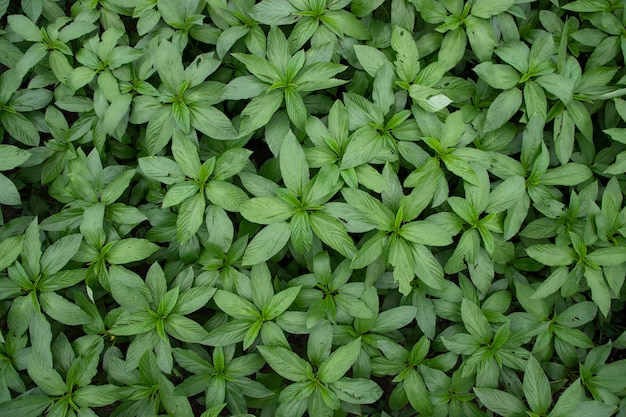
(322, 207)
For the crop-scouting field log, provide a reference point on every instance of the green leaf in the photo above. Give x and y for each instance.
(9, 195)
(20, 128)
(416, 392)
(25, 28)
(293, 166)
(62, 310)
(228, 334)
(486, 8)
(179, 193)
(407, 55)
(428, 98)
(301, 233)
(169, 64)
(12, 156)
(230, 163)
(190, 217)
(394, 319)
(116, 111)
(502, 77)
(116, 188)
(25, 406)
(558, 85)
(259, 111)
(569, 174)
(161, 169)
(475, 321)
(99, 395)
(376, 211)
(128, 289)
(185, 329)
(279, 303)
(10, 249)
(553, 283)
(501, 402)
(185, 153)
(274, 12)
(46, 378)
(506, 195)
(331, 232)
(235, 306)
(568, 400)
(552, 255)
(536, 387)
(266, 210)
(225, 195)
(59, 254)
(608, 256)
(212, 122)
(427, 267)
(600, 293)
(353, 306)
(339, 362)
(267, 243)
(357, 390)
(130, 250)
(481, 36)
(425, 233)
(371, 59)
(503, 108)
(286, 363)
(460, 168)
(295, 108)
(577, 314)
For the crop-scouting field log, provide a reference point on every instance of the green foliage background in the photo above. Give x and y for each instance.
(321, 207)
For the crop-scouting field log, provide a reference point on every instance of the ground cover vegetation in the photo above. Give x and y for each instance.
(312, 207)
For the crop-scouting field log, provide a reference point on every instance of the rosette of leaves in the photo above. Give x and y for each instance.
(317, 21)
(187, 100)
(334, 146)
(254, 311)
(559, 330)
(223, 266)
(409, 368)
(540, 180)
(152, 391)
(14, 101)
(90, 190)
(605, 36)
(34, 284)
(237, 23)
(282, 76)
(319, 384)
(462, 22)
(152, 313)
(184, 17)
(384, 325)
(401, 239)
(101, 250)
(62, 147)
(329, 295)
(581, 259)
(193, 182)
(222, 377)
(65, 381)
(536, 390)
(296, 212)
(51, 41)
(485, 351)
